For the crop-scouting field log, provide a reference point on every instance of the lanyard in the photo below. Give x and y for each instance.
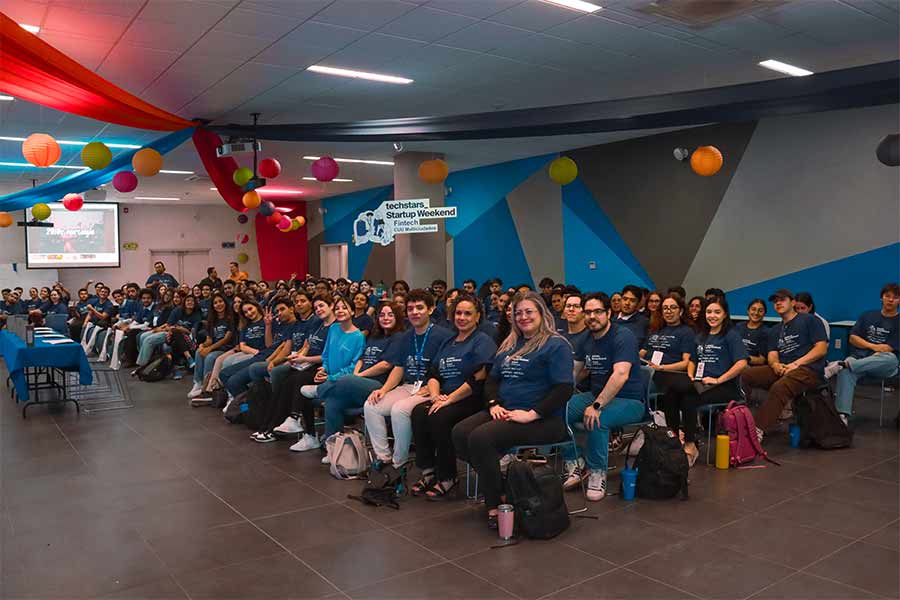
(419, 351)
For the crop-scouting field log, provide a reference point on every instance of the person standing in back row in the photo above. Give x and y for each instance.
(235, 274)
(160, 277)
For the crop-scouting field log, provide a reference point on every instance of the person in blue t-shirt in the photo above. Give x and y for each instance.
(220, 337)
(526, 392)
(718, 357)
(57, 305)
(797, 348)
(754, 333)
(34, 300)
(361, 318)
(874, 345)
(405, 386)
(160, 277)
(455, 381)
(630, 317)
(99, 317)
(183, 324)
(609, 357)
(141, 321)
(250, 338)
(81, 312)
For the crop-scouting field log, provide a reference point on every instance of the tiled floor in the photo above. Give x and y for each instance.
(165, 501)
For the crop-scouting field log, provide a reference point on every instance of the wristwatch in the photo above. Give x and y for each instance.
(596, 406)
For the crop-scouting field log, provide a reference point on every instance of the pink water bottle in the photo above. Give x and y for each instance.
(505, 519)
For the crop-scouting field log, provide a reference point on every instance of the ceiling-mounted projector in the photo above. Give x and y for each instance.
(95, 195)
(237, 147)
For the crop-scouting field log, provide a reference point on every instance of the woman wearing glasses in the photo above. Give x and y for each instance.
(526, 393)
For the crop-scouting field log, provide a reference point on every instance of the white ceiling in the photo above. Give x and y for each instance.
(227, 58)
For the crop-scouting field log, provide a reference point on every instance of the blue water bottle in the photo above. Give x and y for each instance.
(629, 483)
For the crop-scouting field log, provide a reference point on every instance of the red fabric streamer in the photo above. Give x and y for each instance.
(220, 170)
(33, 70)
(282, 253)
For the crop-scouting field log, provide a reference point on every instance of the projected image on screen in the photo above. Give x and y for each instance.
(84, 238)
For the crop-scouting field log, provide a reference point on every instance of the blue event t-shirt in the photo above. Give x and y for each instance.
(599, 356)
(81, 308)
(876, 328)
(673, 342)
(457, 361)
(219, 331)
(32, 303)
(60, 308)
(181, 319)
(756, 341)
(280, 332)
(126, 310)
(364, 323)
(254, 335)
(797, 337)
(718, 353)
(526, 379)
(576, 339)
(317, 336)
(637, 323)
(377, 350)
(103, 307)
(403, 353)
(143, 314)
(165, 278)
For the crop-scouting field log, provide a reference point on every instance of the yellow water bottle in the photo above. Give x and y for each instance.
(722, 451)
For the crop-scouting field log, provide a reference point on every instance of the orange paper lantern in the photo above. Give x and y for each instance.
(300, 221)
(6, 219)
(706, 161)
(251, 199)
(41, 150)
(147, 162)
(433, 171)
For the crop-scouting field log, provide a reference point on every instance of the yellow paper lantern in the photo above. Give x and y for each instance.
(301, 221)
(433, 171)
(96, 155)
(241, 176)
(706, 161)
(242, 258)
(40, 211)
(41, 150)
(147, 162)
(6, 219)
(251, 199)
(563, 170)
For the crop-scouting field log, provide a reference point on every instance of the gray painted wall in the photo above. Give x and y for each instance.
(536, 209)
(420, 257)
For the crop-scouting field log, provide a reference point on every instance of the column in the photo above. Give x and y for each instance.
(420, 257)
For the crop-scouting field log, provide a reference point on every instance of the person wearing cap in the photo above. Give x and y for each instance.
(796, 361)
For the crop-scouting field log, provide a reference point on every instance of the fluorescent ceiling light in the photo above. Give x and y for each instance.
(388, 163)
(169, 172)
(71, 142)
(576, 5)
(785, 68)
(30, 28)
(278, 191)
(155, 198)
(359, 74)
(4, 98)
(335, 179)
(22, 164)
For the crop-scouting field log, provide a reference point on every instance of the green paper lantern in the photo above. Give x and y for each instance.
(242, 176)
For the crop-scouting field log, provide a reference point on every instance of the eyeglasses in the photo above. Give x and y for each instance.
(525, 312)
(572, 306)
(596, 311)
(670, 308)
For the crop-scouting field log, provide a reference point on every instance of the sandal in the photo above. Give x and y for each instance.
(492, 521)
(423, 484)
(438, 491)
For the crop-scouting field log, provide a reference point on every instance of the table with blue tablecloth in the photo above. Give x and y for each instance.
(21, 358)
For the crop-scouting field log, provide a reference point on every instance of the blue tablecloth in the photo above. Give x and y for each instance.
(18, 356)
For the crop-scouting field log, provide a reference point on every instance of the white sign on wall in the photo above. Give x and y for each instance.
(394, 217)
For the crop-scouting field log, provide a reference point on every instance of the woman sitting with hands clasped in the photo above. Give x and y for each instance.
(455, 381)
(526, 391)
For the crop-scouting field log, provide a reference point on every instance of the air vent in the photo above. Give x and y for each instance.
(703, 13)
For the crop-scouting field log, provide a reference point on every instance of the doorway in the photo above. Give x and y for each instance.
(187, 266)
(333, 260)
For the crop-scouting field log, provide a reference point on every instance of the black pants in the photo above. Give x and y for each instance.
(481, 441)
(130, 346)
(681, 397)
(286, 398)
(182, 343)
(433, 434)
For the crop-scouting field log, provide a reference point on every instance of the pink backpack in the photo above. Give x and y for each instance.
(743, 445)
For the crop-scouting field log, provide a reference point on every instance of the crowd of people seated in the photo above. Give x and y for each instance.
(469, 373)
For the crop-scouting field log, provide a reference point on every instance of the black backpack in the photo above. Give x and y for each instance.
(383, 487)
(156, 370)
(662, 464)
(253, 407)
(820, 423)
(536, 493)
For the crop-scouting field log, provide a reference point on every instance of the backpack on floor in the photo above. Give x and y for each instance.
(536, 493)
(234, 411)
(156, 370)
(253, 407)
(819, 421)
(347, 454)
(743, 444)
(383, 487)
(662, 466)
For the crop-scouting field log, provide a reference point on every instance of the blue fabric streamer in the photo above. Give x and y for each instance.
(86, 180)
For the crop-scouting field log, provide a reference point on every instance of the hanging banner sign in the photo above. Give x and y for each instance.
(394, 217)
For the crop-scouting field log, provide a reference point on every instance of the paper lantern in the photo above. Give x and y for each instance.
(6, 219)
(266, 209)
(274, 218)
(269, 168)
(325, 169)
(284, 223)
(242, 175)
(40, 211)
(96, 155)
(242, 219)
(73, 202)
(147, 162)
(251, 199)
(295, 225)
(433, 171)
(563, 170)
(41, 150)
(301, 221)
(242, 238)
(706, 161)
(242, 258)
(888, 151)
(125, 181)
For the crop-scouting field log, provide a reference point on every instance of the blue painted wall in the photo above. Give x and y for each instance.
(340, 213)
(489, 247)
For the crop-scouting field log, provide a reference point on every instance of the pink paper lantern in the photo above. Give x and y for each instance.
(73, 202)
(125, 181)
(269, 168)
(325, 169)
(243, 238)
(284, 223)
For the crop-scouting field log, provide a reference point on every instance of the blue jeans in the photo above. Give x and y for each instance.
(148, 342)
(237, 378)
(277, 374)
(203, 365)
(617, 413)
(879, 365)
(341, 395)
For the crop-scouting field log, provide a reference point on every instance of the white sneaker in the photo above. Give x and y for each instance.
(505, 461)
(290, 426)
(307, 442)
(326, 460)
(832, 369)
(228, 405)
(845, 419)
(574, 473)
(309, 391)
(596, 486)
(195, 391)
(759, 434)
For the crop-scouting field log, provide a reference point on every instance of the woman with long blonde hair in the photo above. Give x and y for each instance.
(526, 393)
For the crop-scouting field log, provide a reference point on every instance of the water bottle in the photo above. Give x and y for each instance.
(29, 335)
(722, 451)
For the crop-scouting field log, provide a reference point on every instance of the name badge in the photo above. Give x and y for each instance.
(699, 373)
(656, 357)
(416, 387)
